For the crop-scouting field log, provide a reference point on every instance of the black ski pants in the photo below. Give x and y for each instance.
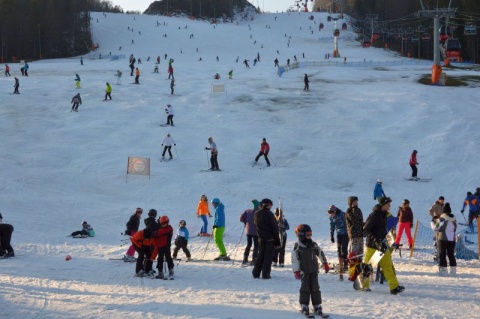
(414, 170)
(446, 248)
(251, 239)
(265, 155)
(75, 106)
(213, 161)
(143, 261)
(169, 148)
(263, 264)
(279, 254)
(181, 243)
(170, 120)
(6, 231)
(310, 289)
(164, 254)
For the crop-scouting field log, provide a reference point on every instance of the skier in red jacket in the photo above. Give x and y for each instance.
(264, 149)
(413, 164)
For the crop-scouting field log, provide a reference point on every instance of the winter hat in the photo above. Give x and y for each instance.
(406, 201)
(152, 213)
(384, 200)
(447, 209)
(441, 198)
(84, 223)
(332, 209)
(379, 181)
(256, 203)
(469, 193)
(267, 201)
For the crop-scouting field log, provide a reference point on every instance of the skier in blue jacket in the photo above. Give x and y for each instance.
(219, 228)
(378, 190)
(339, 223)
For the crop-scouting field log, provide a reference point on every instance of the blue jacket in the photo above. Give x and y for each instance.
(219, 220)
(473, 203)
(378, 191)
(182, 232)
(339, 223)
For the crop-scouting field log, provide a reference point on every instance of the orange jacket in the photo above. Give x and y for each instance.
(202, 208)
(138, 240)
(137, 72)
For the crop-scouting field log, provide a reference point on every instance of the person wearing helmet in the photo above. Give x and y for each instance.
(168, 141)
(162, 242)
(170, 113)
(305, 266)
(132, 227)
(268, 239)
(338, 223)
(87, 231)
(219, 228)
(252, 237)
(213, 154)
(378, 190)
(202, 212)
(413, 164)
(375, 229)
(151, 220)
(181, 240)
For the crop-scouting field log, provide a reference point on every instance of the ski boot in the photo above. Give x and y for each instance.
(304, 310)
(170, 274)
(141, 273)
(318, 311)
(160, 275)
(397, 290)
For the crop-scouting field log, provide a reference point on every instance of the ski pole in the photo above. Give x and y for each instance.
(273, 162)
(234, 252)
(207, 157)
(205, 251)
(464, 217)
(175, 149)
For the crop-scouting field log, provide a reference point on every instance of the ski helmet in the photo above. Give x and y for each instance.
(182, 223)
(332, 209)
(215, 201)
(302, 231)
(152, 213)
(163, 220)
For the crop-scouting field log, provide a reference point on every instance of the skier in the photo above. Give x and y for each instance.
(378, 190)
(170, 114)
(405, 223)
(354, 221)
(25, 69)
(306, 81)
(181, 240)
(473, 203)
(216, 76)
(170, 71)
(219, 228)
(251, 232)
(158, 59)
(163, 242)
(81, 60)
(118, 75)
(202, 212)
(246, 63)
(6, 231)
(137, 75)
(268, 238)
(15, 86)
(283, 226)
(132, 64)
(288, 62)
(305, 266)
(143, 243)
(168, 141)
(445, 227)
(87, 231)
(108, 91)
(435, 212)
(375, 229)
(132, 227)
(155, 70)
(77, 80)
(338, 223)
(213, 154)
(76, 101)
(172, 86)
(7, 70)
(276, 62)
(264, 149)
(230, 74)
(413, 164)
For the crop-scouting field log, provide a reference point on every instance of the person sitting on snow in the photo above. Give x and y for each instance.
(87, 231)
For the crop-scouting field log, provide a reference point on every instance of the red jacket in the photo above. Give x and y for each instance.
(413, 159)
(163, 237)
(264, 147)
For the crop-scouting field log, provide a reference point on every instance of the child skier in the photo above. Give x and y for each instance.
(305, 267)
(143, 243)
(181, 240)
(87, 231)
(108, 91)
(163, 241)
(202, 212)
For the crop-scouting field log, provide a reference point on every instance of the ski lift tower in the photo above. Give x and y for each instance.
(436, 15)
(336, 33)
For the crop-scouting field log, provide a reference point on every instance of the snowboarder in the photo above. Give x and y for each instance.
(137, 76)
(132, 227)
(354, 221)
(6, 230)
(7, 70)
(246, 63)
(375, 229)
(168, 141)
(181, 240)
(170, 113)
(413, 164)
(338, 223)
(251, 232)
(473, 203)
(108, 91)
(264, 149)
(283, 226)
(76, 101)
(268, 238)
(405, 223)
(172, 86)
(446, 227)
(306, 81)
(213, 154)
(77, 80)
(219, 228)
(87, 231)
(203, 212)
(305, 266)
(162, 242)
(16, 85)
(378, 190)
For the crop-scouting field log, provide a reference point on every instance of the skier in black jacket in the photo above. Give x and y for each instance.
(268, 239)
(132, 227)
